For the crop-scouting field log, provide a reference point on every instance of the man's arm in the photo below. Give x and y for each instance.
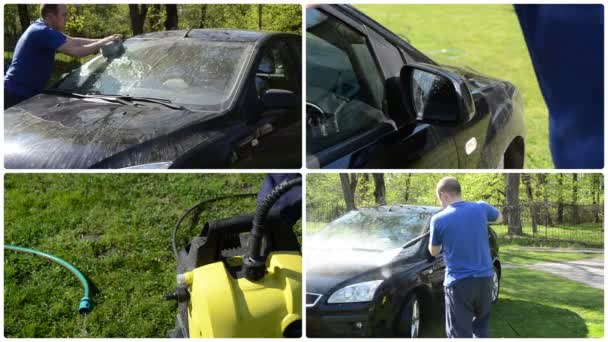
(74, 48)
(498, 219)
(434, 250)
(82, 41)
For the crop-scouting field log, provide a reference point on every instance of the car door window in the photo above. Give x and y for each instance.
(345, 89)
(277, 69)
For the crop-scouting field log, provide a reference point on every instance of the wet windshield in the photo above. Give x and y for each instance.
(372, 230)
(185, 71)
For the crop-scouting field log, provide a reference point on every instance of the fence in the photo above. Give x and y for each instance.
(540, 221)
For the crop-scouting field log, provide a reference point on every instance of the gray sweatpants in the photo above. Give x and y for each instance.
(467, 307)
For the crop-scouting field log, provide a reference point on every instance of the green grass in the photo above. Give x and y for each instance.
(485, 37)
(116, 229)
(514, 255)
(538, 304)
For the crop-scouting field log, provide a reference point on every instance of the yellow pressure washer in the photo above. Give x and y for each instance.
(241, 276)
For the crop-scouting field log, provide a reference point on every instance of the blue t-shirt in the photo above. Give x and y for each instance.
(462, 231)
(566, 44)
(33, 60)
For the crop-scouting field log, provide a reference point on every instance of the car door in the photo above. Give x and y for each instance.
(351, 75)
(276, 137)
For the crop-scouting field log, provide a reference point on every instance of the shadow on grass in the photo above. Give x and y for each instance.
(520, 318)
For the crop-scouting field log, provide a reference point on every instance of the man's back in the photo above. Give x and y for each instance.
(33, 60)
(462, 231)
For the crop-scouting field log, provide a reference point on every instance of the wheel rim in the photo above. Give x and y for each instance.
(415, 325)
(496, 284)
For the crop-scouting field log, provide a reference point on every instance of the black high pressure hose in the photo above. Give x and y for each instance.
(255, 265)
(194, 207)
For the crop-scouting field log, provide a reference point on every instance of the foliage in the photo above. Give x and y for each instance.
(116, 228)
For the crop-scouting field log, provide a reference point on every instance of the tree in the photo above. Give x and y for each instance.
(542, 182)
(512, 207)
(560, 198)
(574, 198)
(24, 17)
(349, 185)
(526, 179)
(171, 19)
(260, 16)
(379, 188)
(138, 17)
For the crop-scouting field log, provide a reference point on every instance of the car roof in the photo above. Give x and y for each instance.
(212, 35)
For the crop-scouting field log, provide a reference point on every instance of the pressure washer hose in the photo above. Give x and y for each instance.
(85, 303)
(254, 265)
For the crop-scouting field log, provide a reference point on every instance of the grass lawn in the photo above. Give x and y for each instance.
(511, 254)
(485, 37)
(117, 230)
(538, 304)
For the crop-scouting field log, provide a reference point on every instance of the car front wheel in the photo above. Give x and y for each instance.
(410, 319)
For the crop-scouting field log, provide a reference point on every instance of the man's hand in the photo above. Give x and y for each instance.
(434, 250)
(498, 219)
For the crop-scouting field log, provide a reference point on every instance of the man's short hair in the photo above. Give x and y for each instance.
(46, 9)
(449, 185)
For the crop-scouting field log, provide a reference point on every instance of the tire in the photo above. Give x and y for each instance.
(496, 285)
(410, 319)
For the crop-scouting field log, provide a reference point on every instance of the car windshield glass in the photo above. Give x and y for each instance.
(185, 71)
(373, 230)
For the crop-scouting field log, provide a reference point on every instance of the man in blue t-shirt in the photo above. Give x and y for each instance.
(566, 44)
(34, 56)
(460, 232)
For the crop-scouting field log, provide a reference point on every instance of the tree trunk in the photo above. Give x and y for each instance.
(24, 17)
(203, 16)
(560, 198)
(596, 190)
(348, 191)
(542, 181)
(379, 188)
(407, 187)
(138, 17)
(526, 179)
(574, 198)
(260, 17)
(171, 20)
(512, 207)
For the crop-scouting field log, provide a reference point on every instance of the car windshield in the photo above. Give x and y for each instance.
(186, 71)
(373, 230)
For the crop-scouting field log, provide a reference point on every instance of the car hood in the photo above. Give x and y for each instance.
(50, 131)
(327, 268)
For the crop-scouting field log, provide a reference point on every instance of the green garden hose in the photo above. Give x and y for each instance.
(85, 303)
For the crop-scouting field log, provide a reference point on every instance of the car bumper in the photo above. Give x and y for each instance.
(334, 324)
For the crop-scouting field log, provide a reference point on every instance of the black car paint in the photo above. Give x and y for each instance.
(53, 131)
(405, 143)
(403, 275)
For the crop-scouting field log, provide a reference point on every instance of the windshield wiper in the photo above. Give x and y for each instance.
(164, 102)
(86, 96)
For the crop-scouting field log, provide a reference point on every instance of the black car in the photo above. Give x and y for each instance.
(175, 99)
(374, 101)
(369, 273)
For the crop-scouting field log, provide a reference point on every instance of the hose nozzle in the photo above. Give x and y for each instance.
(85, 306)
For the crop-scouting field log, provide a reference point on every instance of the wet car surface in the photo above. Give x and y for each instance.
(175, 99)
(374, 101)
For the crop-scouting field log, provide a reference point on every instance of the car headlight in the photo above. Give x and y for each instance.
(361, 292)
(151, 166)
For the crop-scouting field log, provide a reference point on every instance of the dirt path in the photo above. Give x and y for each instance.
(587, 271)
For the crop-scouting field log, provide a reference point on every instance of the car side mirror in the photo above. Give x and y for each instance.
(436, 95)
(279, 99)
